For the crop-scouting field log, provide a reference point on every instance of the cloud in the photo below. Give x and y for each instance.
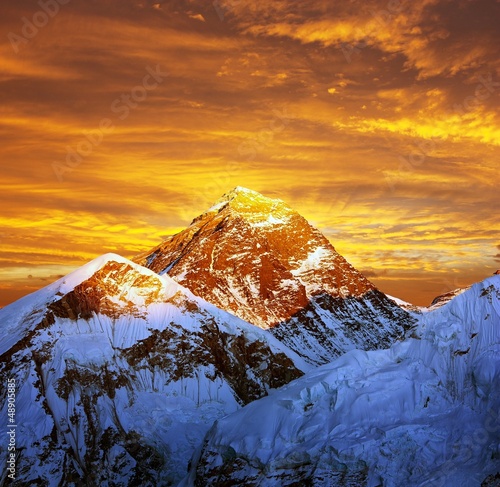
(496, 257)
(196, 17)
(372, 273)
(393, 154)
(435, 37)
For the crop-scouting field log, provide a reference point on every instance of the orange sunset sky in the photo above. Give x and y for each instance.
(377, 120)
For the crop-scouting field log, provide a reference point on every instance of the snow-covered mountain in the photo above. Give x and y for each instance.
(423, 413)
(412, 308)
(446, 297)
(260, 260)
(436, 303)
(120, 372)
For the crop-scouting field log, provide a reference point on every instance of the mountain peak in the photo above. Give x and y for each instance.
(385, 411)
(239, 190)
(259, 259)
(253, 207)
(239, 193)
(136, 369)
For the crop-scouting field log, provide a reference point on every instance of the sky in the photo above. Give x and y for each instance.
(378, 121)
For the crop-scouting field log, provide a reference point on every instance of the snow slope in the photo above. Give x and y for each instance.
(411, 308)
(445, 298)
(120, 373)
(423, 413)
(260, 260)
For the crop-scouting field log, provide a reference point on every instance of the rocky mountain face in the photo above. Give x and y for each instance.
(260, 260)
(423, 413)
(120, 372)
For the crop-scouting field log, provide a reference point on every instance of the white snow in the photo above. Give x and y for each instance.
(271, 220)
(399, 302)
(314, 260)
(19, 317)
(424, 412)
(172, 415)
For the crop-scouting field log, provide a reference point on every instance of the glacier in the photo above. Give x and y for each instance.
(424, 412)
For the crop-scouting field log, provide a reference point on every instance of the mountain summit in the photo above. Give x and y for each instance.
(261, 260)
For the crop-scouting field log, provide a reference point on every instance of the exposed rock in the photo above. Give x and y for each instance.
(446, 297)
(423, 413)
(122, 375)
(492, 480)
(260, 260)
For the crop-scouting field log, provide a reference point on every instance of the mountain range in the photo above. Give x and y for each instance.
(246, 351)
